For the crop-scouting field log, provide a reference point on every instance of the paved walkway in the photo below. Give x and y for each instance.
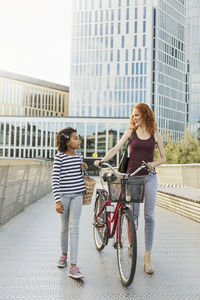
(29, 248)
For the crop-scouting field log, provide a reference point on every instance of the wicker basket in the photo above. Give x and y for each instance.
(89, 185)
(127, 190)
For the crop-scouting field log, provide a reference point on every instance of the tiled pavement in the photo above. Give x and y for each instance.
(29, 248)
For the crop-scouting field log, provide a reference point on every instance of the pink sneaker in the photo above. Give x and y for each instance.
(75, 273)
(62, 262)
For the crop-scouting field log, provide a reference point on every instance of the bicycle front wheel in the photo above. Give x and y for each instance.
(126, 247)
(100, 230)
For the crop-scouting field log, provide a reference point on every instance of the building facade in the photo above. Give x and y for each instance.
(25, 96)
(125, 52)
(35, 137)
(193, 55)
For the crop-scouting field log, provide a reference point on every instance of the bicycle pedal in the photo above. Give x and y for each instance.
(100, 225)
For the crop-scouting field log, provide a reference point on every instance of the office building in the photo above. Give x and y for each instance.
(25, 96)
(125, 52)
(193, 56)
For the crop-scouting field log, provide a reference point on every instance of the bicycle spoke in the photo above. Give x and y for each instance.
(127, 248)
(99, 227)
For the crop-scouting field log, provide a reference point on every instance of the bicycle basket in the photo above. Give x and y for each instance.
(127, 190)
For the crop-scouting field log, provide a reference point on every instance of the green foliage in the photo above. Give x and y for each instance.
(189, 149)
(185, 152)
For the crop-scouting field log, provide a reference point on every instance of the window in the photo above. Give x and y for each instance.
(126, 54)
(118, 55)
(106, 31)
(145, 54)
(136, 12)
(139, 54)
(122, 41)
(144, 26)
(108, 69)
(136, 82)
(126, 69)
(127, 27)
(118, 69)
(132, 68)
(135, 26)
(133, 54)
(127, 14)
(141, 68)
(144, 13)
(111, 55)
(119, 14)
(112, 28)
(135, 41)
(144, 41)
(119, 28)
(111, 42)
(137, 68)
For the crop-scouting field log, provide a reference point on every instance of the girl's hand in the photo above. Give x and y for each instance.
(59, 207)
(96, 163)
(84, 166)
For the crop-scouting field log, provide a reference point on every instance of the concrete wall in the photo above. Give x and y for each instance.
(182, 175)
(180, 189)
(22, 182)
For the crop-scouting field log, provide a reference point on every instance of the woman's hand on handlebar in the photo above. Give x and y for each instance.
(151, 165)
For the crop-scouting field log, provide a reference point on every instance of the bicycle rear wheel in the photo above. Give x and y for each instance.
(126, 247)
(100, 230)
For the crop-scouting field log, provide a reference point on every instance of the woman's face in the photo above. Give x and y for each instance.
(137, 117)
(74, 141)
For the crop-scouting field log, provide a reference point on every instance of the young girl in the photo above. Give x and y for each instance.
(68, 187)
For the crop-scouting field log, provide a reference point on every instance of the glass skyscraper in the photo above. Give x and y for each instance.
(193, 55)
(129, 51)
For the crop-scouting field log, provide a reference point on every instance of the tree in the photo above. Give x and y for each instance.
(189, 149)
(186, 151)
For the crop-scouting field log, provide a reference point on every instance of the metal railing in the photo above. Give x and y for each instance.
(22, 182)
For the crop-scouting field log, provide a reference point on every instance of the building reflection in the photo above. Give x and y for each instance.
(35, 137)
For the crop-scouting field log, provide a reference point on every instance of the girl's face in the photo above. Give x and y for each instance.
(137, 117)
(74, 142)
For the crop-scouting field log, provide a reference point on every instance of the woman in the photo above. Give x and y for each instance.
(144, 136)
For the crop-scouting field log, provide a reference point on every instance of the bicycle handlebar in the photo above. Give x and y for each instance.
(143, 166)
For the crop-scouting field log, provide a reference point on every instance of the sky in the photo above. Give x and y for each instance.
(35, 38)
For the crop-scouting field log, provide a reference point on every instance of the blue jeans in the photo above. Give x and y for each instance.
(70, 224)
(151, 186)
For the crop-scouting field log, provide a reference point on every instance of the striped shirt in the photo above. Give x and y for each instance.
(67, 175)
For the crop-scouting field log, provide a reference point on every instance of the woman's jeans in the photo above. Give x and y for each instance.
(150, 193)
(70, 224)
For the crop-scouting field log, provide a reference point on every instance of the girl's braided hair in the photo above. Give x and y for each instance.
(62, 137)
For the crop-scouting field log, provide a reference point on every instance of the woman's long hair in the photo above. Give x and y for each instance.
(148, 117)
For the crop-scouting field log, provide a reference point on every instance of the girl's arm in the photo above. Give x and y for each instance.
(116, 148)
(161, 150)
(56, 178)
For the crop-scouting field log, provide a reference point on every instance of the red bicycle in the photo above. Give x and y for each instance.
(113, 216)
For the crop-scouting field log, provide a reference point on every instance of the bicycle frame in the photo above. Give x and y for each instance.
(115, 220)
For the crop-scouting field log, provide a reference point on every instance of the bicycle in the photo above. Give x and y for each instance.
(123, 189)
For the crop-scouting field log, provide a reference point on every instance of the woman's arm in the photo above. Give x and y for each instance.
(161, 150)
(116, 148)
